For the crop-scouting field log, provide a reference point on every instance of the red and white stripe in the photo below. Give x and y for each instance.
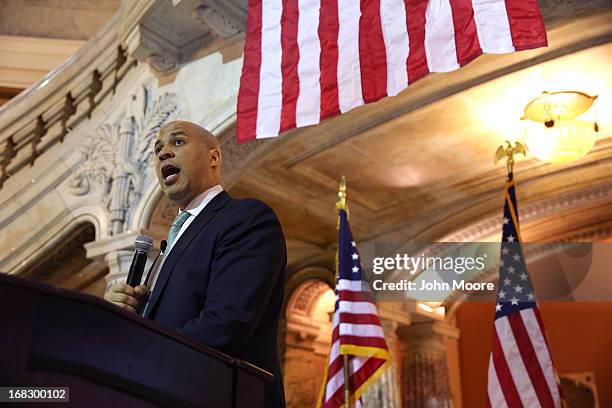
(521, 373)
(308, 60)
(356, 323)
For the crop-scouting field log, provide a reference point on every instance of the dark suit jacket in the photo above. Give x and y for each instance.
(222, 283)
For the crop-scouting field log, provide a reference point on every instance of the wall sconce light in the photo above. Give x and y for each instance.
(552, 132)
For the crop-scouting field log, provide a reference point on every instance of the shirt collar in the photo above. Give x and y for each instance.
(201, 200)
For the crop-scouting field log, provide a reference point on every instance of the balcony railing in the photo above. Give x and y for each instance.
(44, 114)
(53, 124)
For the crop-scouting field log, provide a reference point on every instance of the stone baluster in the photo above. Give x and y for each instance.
(7, 156)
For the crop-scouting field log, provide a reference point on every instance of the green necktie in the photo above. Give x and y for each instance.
(176, 227)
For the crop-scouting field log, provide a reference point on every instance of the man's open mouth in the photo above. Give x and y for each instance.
(170, 174)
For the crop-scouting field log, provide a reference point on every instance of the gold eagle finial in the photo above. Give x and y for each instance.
(509, 151)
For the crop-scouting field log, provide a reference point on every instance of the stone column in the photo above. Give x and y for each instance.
(302, 368)
(384, 393)
(425, 381)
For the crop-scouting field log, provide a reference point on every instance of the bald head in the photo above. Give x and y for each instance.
(191, 129)
(187, 161)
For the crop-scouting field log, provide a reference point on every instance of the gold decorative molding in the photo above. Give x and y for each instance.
(492, 225)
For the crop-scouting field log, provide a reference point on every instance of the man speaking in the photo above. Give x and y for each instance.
(222, 275)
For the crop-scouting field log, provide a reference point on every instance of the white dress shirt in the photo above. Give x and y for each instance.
(194, 208)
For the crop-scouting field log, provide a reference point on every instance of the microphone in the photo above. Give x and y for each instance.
(142, 246)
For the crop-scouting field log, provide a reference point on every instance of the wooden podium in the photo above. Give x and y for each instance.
(110, 357)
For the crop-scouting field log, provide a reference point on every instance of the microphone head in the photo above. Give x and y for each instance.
(163, 245)
(143, 243)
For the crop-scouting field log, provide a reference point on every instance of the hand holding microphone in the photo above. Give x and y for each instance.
(130, 295)
(127, 297)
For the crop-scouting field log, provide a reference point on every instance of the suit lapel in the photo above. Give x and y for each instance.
(181, 245)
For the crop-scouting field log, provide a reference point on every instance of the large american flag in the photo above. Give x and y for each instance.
(357, 331)
(308, 60)
(521, 371)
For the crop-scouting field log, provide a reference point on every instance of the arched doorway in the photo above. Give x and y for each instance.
(307, 339)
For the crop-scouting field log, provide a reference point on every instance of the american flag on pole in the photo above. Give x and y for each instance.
(357, 331)
(308, 60)
(521, 371)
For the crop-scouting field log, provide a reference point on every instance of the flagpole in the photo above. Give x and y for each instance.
(341, 205)
(347, 391)
(506, 309)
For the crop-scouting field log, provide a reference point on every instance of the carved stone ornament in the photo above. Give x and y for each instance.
(162, 63)
(170, 211)
(219, 22)
(236, 156)
(118, 160)
(167, 34)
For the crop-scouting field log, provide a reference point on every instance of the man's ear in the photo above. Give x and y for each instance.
(215, 157)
